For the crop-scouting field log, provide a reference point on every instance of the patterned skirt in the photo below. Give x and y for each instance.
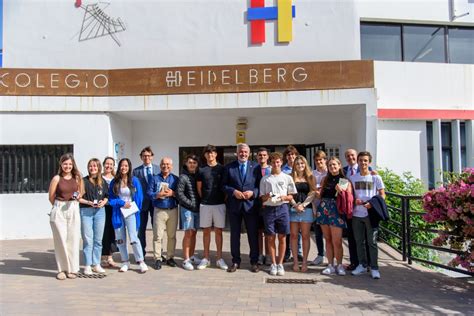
(327, 214)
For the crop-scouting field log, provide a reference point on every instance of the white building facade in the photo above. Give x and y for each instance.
(107, 79)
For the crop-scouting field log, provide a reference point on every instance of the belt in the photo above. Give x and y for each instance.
(166, 208)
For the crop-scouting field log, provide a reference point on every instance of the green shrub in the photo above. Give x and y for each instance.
(406, 184)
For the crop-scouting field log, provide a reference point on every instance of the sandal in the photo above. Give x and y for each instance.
(61, 276)
(111, 263)
(72, 275)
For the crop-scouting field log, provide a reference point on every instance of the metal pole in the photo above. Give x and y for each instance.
(406, 203)
(404, 229)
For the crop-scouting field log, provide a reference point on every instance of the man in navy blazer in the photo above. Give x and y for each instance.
(144, 172)
(241, 184)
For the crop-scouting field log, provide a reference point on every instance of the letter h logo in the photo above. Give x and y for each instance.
(284, 13)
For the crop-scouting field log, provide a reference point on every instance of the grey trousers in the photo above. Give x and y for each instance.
(361, 225)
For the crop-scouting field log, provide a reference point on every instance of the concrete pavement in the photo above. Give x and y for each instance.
(28, 287)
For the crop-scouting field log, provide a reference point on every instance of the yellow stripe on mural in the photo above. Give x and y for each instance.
(285, 21)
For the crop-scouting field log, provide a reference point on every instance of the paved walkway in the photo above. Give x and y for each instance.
(28, 286)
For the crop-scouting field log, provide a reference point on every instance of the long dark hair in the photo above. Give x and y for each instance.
(118, 177)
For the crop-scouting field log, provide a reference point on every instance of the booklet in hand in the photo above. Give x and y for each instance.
(126, 212)
(343, 184)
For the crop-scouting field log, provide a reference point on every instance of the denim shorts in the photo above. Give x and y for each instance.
(189, 219)
(304, 217)
(276, 220)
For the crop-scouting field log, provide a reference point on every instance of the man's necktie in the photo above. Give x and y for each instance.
(352, 171)
(242, 171)
(148, 174)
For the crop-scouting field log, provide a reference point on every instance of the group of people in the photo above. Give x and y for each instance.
(279, 198)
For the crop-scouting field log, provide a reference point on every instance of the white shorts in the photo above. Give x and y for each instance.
(212, 214)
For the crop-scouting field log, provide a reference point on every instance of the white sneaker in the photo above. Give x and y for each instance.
(195, 260)
(340, 270)
(125, 266)
(273, 269)
(187, 265)
(280, 270)
(375, 274)
(98, 269)
(329, 270)
(87, 270)
(360, 269)
(204, 264)
(317, 261)
(143, 267)
(221, 264)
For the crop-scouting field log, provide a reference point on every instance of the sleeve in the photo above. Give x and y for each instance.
(114, 200)
(379, 183)
(138, 198)
(151, 191)
(291, 186)
(174, 185)
(263, 187)
(181, 196)
(227, 188)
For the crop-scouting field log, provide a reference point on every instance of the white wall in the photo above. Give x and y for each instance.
(404, 85)
(44, 34)
(402, 147)
(331, 125)
(23, 215)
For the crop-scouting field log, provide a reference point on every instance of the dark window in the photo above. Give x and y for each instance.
(429, 146)
(424, 43)
(29, 168)
(462, 133)
(417, 43)
(461, 45)
(446, 146)
(381, 41)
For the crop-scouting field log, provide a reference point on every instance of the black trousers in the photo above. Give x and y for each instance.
(353, 246)
(251, 225)
(318, 235)
(108, 239)
(143, 225)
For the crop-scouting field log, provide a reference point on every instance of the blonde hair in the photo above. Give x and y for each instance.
(97, 181)
(307, 174)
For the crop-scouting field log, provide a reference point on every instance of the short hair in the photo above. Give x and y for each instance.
(348, 150)
(209, 148)
(146, 149)
(276, 155)
(320, 154)
(364, 154)
(262, 149)
(290, 149)
(242, 145)
(168, 158)
(192, 157)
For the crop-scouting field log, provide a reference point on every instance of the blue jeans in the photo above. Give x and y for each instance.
(130, 225)
(92, 229)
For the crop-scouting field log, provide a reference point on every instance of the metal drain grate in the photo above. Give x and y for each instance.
(92, 276)
(290, 281)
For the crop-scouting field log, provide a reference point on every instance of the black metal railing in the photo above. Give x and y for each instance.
(403, 229)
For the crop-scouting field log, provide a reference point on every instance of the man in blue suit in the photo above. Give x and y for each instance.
(241, 184)
(144, 173)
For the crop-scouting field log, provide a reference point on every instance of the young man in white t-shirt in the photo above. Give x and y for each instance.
(366, 186)
(276, 191)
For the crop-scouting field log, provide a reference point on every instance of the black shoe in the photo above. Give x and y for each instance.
(233, 267)
(171, 262)
(300, 257)
(157, 265)
(163, 258)
(288, 259)
(254, 268)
